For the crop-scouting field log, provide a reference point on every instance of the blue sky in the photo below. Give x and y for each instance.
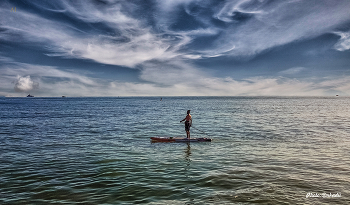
(174, 48)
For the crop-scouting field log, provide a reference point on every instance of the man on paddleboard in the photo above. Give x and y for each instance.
(188, 123)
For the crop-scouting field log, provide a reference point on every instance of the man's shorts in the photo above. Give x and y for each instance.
(187, 126)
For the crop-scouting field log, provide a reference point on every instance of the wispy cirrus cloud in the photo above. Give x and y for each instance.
(250, 28)
(128, 44)
(258, 26)
(234, 11)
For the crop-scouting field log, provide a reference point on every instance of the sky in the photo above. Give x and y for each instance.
(82, 48)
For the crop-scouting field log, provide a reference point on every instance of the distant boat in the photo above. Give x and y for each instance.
(30, 96)
(63, 96)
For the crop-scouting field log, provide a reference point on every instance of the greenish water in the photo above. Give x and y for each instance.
(266, 150)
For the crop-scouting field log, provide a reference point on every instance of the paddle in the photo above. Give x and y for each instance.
(198, 130)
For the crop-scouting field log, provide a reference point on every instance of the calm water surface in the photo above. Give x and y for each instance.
(266, 150)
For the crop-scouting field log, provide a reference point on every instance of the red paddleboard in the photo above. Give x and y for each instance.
(179, 139)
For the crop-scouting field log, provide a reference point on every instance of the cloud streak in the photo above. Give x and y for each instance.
(292, 71)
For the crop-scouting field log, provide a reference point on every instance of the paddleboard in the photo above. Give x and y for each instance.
(179, 139)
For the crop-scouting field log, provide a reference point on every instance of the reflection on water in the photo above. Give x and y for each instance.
(188, 154)
(188, 191)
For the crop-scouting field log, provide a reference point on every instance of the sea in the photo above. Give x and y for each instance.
(97, 150)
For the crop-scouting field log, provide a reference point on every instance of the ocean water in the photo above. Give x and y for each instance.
(265, 150)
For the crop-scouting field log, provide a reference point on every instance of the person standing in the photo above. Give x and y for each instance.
(188, 123)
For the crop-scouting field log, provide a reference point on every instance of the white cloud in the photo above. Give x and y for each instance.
(344, 41)
(25, 84)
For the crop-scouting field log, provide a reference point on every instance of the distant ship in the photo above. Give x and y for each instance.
(30, 96)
